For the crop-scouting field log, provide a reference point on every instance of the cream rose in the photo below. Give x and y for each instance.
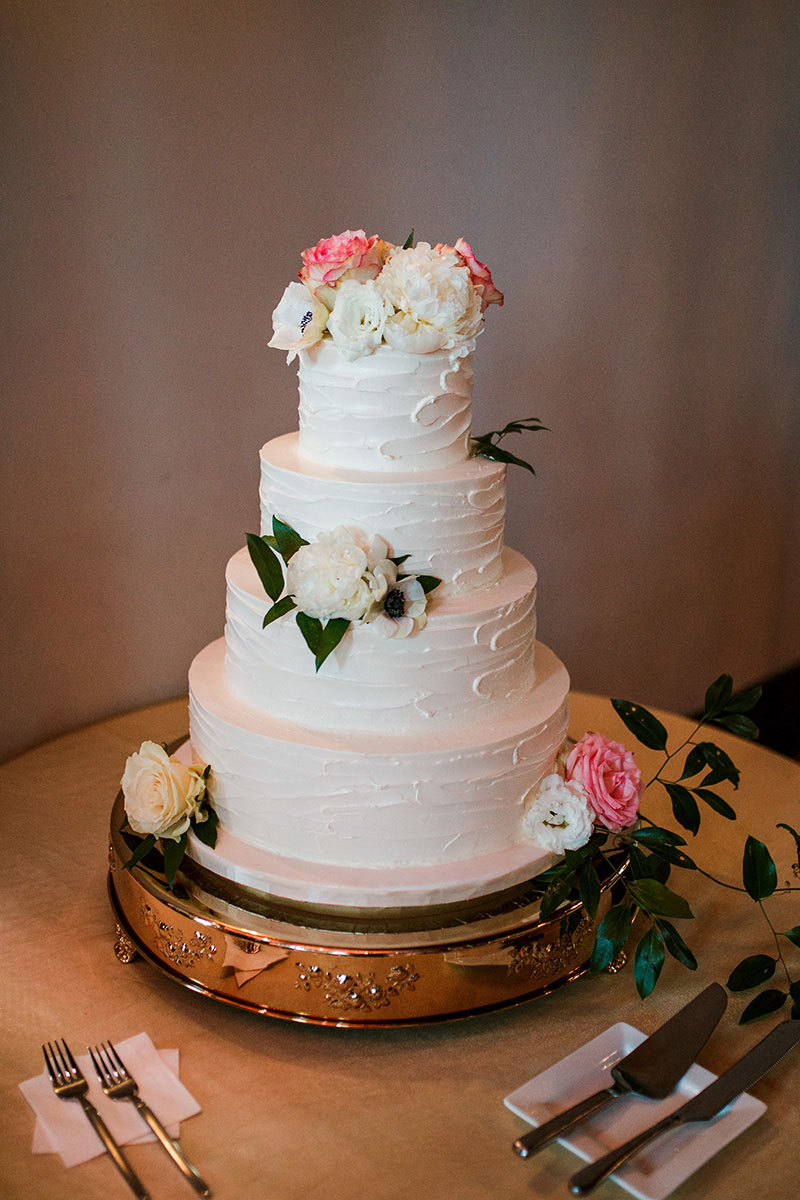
(431, 290)
(358, 318)
(299, 320)
(559, 817)
(340, 575)
(161, 794)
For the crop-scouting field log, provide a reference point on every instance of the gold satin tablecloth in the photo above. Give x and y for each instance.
(294, 1111)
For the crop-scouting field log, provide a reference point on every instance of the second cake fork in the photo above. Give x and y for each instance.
(119, 1084)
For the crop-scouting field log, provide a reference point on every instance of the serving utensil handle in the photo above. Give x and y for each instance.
(120, 1161)
(172, 1148)
(588, 1177)
(535, 1138)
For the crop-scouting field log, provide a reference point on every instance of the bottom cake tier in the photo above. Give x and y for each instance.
(431, 810)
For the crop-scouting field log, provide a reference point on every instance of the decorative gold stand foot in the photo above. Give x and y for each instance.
(124, 948)
(617, 963)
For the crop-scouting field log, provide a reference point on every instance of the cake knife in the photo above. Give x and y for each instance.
(703, 1106)
(652, 1069)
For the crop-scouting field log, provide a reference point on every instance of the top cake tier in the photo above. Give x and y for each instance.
(388, 411)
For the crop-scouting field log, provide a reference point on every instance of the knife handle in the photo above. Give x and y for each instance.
(535, 1138)
(588, 1177)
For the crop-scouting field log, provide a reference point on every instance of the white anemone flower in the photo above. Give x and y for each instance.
(403, 609)
(299, 320)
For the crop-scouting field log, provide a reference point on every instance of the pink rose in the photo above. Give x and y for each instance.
(480, 275)
(331, 258)
(610, 777)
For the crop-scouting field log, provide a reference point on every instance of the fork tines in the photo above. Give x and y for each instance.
(61, 1066)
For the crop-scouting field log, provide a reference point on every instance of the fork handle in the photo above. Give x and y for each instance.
(120, 1161)
(172, 1148)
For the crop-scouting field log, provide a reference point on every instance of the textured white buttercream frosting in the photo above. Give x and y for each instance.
(449, 521)
(387, 411)
(473, 660)
(359, 799)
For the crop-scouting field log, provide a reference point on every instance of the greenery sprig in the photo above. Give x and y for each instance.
(487, 445)
(641, 891)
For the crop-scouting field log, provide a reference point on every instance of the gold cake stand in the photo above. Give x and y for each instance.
(344, 967)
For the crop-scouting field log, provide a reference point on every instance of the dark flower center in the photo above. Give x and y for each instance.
(395, 603)
(306, 317)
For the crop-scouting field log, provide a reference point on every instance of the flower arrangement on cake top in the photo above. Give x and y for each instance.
(364, 292)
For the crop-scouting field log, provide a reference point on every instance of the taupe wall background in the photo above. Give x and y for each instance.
(629, 171)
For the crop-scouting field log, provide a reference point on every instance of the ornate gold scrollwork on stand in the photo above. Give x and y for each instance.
(356, 992)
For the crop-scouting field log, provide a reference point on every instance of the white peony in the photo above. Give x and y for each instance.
(403, 609)
(358, 317)
(298, 321)
(559, 817)
(341, 574)
(161, 794)
(437, 305)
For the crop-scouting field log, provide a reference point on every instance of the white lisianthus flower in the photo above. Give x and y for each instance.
(358, 318)
(403, 610)
(436, 303)
(559, 817)
(339, 575)
(161, 795)
(299, 320)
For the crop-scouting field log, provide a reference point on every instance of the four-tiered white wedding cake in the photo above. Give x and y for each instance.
(379, 740)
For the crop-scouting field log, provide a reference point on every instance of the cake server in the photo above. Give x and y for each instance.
(703, 1106)
(652, 1069)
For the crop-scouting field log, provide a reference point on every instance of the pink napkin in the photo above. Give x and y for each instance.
(62, 1126)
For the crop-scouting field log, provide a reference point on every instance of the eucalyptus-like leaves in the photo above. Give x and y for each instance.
(487, 445)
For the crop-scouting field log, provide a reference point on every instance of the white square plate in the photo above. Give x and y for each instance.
(670, 1159)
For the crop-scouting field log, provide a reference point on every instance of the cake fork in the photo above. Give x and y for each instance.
(69, 1084)
(119, 1084)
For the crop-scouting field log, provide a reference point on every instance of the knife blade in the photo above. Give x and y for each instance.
(702, 1107)
(652, 1069)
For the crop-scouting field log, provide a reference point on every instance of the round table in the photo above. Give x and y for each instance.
(292, 1110)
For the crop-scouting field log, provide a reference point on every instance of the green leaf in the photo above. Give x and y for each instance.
(793, 935)
(759, 875)
(173, 857)
(720, 763)
(751, 972)
(409, 242)
(716, 802)
(793, 832)
(745, 700)
(144, 847)
(647, 963)
(684, 806)
(398, 562)
(266, 564)
(695, 762)
(763, 1004)
(659, 901)
(672, 854)
(639, 864)
(654, 835)
(428, 582)
(676, 945)
(556, 894)
(280, 609)
(287, 539)
(646, 728)
(612, 934)
(311, 630)
(718, 696)
(742, 726)
(497, 454)
(206, 830)
(331, 635)
(589, 889)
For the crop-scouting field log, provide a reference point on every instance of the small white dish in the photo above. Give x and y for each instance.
(665, 1163)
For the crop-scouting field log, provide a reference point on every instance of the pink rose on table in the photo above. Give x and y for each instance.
(333, 257)
(480, 275)
(610, 777)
